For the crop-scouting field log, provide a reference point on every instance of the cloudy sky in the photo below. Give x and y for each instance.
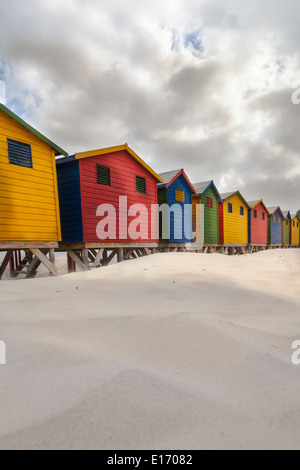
(200, 84)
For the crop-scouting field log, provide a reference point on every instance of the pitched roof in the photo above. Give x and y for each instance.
(253, 204)
(58, 150)
(293, 216)
(273, 209)
(286, 214)
(119, 148)
(169, 177)
(226, 196)
(201, 188)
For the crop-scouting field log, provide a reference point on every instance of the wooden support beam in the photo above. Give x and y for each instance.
(111, 257)
(76, 260)
(7, 245)
(147, 251)
(105, 258)
(71, 265)
(120, 255)
(86, 261)
(92, 255)
(33, 267)
(44, 260)
(128, 254)
(52, 258)
(5, 262)
(97, 262)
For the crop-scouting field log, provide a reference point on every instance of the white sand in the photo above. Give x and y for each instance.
(174, 351)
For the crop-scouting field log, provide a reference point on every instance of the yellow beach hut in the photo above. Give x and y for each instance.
(29, 214)
(233, 219)
(295, 230)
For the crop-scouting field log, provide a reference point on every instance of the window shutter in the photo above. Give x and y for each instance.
(19, 153)
(179, 195)
(103, 175)
(140, 185)
(210, 203)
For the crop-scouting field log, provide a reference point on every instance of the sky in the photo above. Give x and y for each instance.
(203, 85)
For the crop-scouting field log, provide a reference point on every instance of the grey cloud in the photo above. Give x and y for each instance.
(101, 74)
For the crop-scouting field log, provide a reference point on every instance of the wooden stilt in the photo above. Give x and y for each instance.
(111, 257)
(33, 267)
(44, 260)
(52, 258)
(71, 264)
(97, 261)
(5, 262)
(120, 255)
(105, 258)
(86, 261)
(76, 260)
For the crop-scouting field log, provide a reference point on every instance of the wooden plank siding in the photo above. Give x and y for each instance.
(70, 201)
(258, 225)
(295, 231)
(81, 194)
(211, 216)
(235, 225)
(123, 172)
(286, 228)
(275, 228)
(176, 235)
(28, 196)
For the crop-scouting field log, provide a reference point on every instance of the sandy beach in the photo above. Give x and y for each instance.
(171, 351)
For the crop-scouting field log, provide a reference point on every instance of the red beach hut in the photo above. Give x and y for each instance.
(99, 178)
(258, 223)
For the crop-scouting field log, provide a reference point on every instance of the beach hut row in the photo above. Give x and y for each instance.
(48, 197)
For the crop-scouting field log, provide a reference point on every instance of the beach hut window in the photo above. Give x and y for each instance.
(255, 214)
(279, 220)
(19, 153)
(242, 211)
(293, 224)
(263, 216)
(210, 203)
(103, 175)
(274, 219)
(287, 222)
(229, 208)
(179, 195)
(140, 185)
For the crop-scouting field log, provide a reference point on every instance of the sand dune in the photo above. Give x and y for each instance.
(173, 351)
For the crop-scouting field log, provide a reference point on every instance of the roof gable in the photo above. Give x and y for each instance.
(287, 215)
(226, 196)
(119, 148)
(274, 209)
(169, 177)
(254, 204)
(8, 112)
(202, 188)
